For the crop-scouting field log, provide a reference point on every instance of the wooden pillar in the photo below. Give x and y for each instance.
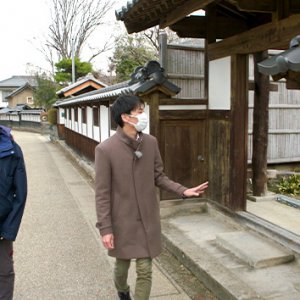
(163, 51)
(260, 128)
(238, 132)
(154, 114)
(211, 15)
(219, 104)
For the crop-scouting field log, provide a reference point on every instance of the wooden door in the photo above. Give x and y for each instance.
(184, 152)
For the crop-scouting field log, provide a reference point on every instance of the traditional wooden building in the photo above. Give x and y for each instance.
(179, 125)
(233, 29)
(81, 86)
(184, 65)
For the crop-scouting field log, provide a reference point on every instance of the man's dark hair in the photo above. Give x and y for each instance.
(124, 105)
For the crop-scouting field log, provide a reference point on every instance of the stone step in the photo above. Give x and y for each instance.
(289, 201)
(256, 251)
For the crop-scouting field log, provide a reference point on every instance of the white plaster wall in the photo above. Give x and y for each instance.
(89, 121)
(79, 120)
(104, 123)
(67, 120)
(61, 118)
(84, 129)
(72, 119)
(147, 111)
(31, 117)
(2, 102)
(14, 118)
(96, 131)
(219, 87)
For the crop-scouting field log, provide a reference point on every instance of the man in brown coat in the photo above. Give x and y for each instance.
(128, 167)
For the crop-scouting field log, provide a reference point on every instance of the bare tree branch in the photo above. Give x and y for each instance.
(73, 21)
(152, 36)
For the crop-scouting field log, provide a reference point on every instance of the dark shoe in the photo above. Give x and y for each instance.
(124, 296)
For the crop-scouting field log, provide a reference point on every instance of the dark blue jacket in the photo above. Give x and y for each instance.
(13, 185)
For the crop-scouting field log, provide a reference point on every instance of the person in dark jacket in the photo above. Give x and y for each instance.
(13, 193)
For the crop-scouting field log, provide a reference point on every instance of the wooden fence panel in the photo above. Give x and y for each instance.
(186, 68)
(284, 125)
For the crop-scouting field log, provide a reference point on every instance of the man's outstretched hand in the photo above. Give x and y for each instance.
(196, 191)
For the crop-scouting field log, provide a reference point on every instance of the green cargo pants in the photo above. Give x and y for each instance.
(143, 280)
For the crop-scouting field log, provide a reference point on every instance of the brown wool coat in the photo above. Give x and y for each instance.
(126, 202)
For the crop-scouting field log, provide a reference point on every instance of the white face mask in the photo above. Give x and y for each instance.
(142, 122)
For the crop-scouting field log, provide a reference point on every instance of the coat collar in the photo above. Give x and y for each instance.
(134, 144)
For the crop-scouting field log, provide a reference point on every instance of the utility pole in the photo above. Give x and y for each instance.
(73, 62)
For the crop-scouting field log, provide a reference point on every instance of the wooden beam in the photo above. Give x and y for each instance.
(185, 76)
(294, 6)
(182, 114)
(293, 80)
(272, 86)
(211, 18)
(200, 27)
(179, 101)
(183, 10)
(256, 6)
(273, 35)
(282, 10)
(266, 6)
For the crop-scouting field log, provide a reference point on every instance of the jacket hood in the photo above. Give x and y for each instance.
(6, 145)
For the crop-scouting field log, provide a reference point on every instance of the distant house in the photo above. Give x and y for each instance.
(22, 95)
(17, 90)
(81, 86)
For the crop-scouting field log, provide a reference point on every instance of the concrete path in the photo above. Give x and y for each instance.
(58, 253)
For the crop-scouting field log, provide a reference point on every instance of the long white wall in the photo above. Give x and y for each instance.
(88, 129)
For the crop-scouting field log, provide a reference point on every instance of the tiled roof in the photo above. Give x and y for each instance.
(22, 109)
(79, 82)
(142, 80)
(284, 61)
(17, 81)
(120, 13)
(139, 15)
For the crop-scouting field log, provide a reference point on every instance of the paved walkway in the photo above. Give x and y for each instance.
(58, 254)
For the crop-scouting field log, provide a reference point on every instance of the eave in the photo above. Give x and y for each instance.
(224, 18)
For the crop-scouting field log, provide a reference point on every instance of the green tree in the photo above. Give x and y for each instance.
(130, 52)
(64, 69)
(45, 93)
